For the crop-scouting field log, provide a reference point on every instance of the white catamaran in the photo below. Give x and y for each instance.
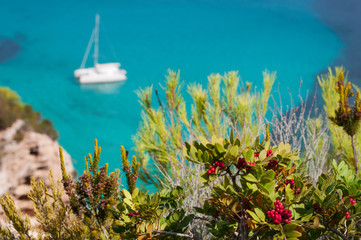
(100, 73)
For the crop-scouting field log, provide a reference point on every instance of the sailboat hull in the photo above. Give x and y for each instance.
(101, 73)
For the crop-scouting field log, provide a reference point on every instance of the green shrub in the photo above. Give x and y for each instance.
(223, 183)
(261, 194)
(11, 109)
(224, 104)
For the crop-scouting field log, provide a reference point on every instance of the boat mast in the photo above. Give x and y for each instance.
(85, 58)
(96, 40)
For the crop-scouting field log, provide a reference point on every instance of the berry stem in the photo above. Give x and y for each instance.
(354, 155)
(337, 233)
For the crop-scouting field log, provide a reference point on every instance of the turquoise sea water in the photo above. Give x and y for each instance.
(198, 37)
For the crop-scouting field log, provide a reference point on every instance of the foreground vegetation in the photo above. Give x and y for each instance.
(216, 178)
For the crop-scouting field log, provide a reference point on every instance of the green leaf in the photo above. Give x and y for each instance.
(330, 188)
(250, 178)
(293, 233)
(262, 155)
(128, 202)
(289, 194)
(260, 214)
(231, 137)
(254, 216)
(307, 217)
(249, 155)
(203, 140)
(270, 186)
(234, 151)
(126, 194)
(135, 193)
(253, 187)
(330, 201)
(289, 227)
(275, 226)
(293, 158)
(193, 153)
(205, 157)
(267, 145)
(270, 174)
(219, 148)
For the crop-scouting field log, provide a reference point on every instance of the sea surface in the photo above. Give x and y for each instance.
(43, 42)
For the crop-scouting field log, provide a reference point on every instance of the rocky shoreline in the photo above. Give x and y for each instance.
(25, 154)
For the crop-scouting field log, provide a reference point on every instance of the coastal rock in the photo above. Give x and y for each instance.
(25, 154)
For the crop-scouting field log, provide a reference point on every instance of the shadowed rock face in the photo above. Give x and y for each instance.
(344, 19)
(8, 49)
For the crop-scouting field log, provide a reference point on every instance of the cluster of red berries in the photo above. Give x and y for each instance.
(280, 214)
(316, 208)
(352, 201)
(292, 183)
(243, 164)
(132, 214)
(247, 203)
(272, 164)
(269, 153)
(216, 164)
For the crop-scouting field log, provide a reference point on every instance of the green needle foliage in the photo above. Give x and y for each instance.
(131, 171)
(224, 105)
(18, 222)
(345, 133)
(346, 116)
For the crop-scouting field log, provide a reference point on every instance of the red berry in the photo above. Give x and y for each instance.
(222, 165)
(256, 155)
(209, 171)
(241, 163)
(216, 163)
(213, 169)
(269, 153)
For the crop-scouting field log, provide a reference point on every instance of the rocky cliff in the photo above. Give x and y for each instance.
(25, 154)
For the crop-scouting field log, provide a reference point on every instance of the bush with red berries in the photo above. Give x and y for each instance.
(250, 200)
(262, 193)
